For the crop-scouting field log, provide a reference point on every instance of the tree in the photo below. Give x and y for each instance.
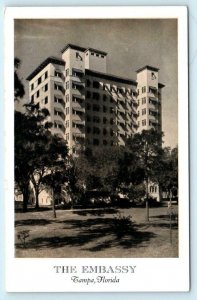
(55, 178)
(168, 172)
(35, 149)
(19, 90)
(147, 149)
(98, 169)
(25, 132)
(48, 151)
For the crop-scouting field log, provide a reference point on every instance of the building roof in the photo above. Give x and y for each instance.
(96, 50)
(147, 67)
(110, 77)
(48, 60)
(79, 48)
(72, 46)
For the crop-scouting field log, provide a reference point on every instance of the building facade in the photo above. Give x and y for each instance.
(91, 108)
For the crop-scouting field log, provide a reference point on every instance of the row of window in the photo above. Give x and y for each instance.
(60, 126)
(151, 122)
(97, 107)
(75, 86)
(39, 81)
(59, 113)
(151, 112)
(153, 189)
(95, 54)
(37, 94)
(151, 89)
(112, 88)
(96, 119)
(151, 101)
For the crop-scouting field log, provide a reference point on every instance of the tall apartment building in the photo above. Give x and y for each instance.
(88, 106)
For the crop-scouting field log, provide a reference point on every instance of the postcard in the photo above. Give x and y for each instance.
(96, 119)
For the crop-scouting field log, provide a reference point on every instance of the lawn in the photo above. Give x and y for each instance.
(97, 233)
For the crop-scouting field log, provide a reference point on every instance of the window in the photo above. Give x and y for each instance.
(144, 100)
(88, 83)
(104, 131)
(153, 189)
(143, 89)
(104, 108)
(46, 75)
(104, 120)
(32, 98)
(58, 87)
(143, 122)
(88, 94)
(67, 85)
(111, 110)
(111, 132)
(77, 73)
(104, 98)
(120, 90)
(104, 142)
(143, 111)
(67, 72)
(32, 86)
(67, 110)
(67, 136)
(46, 87)
(88, 129)
(96, 84)
(95, 142)
(96, 119)
(96, 96)
(92, 53)
(37, 94)
(45, 100)
(67, 98)
(102, 56)
(111, 121)
(77, 86)
(111, 99)
(58, 100)
(39, 80)
(96, 130)
(58, 74)
(96, 107)
(97, 54)
(67, 123)
(88, 106)
(88, 118)
(138, 91)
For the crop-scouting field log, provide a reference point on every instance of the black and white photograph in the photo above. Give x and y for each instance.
(96, 141)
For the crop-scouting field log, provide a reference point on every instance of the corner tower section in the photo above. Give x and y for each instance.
(46, 88)
(96, 60)
(74, 58)
(149, 99)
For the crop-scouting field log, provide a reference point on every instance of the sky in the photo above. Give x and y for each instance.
(130, 44)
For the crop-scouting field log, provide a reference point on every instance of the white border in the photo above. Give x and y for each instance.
(37, 275)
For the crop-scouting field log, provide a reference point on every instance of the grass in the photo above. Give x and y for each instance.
(96, 233)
